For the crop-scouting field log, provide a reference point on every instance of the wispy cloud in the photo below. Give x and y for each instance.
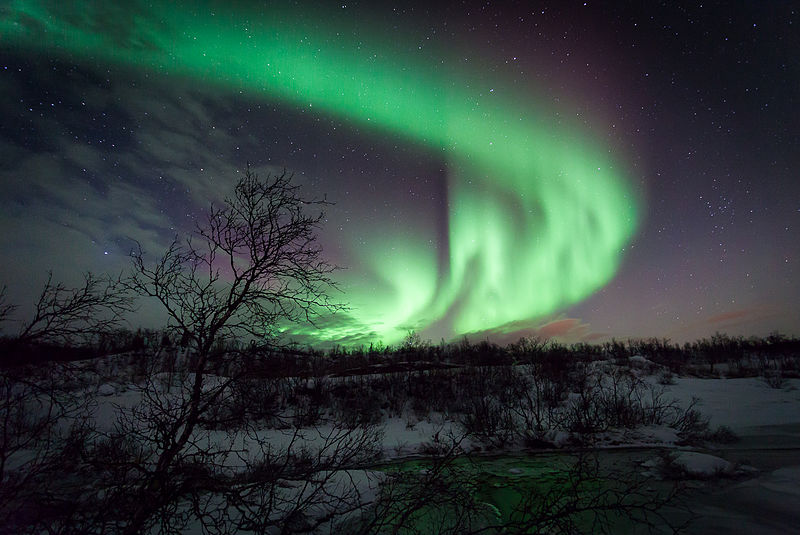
(567, 330)
(727, 317)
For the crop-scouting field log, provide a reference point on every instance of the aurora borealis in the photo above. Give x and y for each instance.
(522, 208)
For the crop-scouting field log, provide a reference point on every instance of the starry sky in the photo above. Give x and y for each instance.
(577, 170)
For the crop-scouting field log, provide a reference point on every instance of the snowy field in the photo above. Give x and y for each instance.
(767, 420)
(733, 444)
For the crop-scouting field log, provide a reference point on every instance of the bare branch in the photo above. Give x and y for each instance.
(6, 309)
(72, 315)
(254, 263)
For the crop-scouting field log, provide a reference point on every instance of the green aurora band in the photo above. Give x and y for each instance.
(538, 216)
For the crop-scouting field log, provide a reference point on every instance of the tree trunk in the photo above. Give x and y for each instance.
(150, 496)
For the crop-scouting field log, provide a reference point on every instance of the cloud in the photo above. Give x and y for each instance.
(595, 337)
(727, 317)
(75, 185)
(568, 330)
(753, 320)
(559, 328)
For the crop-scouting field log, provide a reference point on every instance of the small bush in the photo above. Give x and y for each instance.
(691, 424)
(489, 421)
(775, 379)
(666, 378)
(722, 435)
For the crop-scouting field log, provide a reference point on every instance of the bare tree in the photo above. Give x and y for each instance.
(44, 425)
(251, 266)
(65, 315)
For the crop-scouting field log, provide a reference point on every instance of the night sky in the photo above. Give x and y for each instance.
(579, 170)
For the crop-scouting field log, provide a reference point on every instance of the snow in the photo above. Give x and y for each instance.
(746, 405)
(697, 464)
(641, 437)
(784, 480)
(407, 437)
(559, 438)
(741, 403)
(767, 505)
(106, 390)
(640, 361)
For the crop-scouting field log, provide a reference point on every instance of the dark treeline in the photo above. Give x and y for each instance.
(720, 348)
(744, 356)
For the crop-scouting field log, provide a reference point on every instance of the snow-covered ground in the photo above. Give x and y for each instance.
(767, 421)
(744, 404)
(750, 486)
(748, 406)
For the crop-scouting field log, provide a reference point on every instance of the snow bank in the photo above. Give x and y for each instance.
(106, 390)
(697, 464)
